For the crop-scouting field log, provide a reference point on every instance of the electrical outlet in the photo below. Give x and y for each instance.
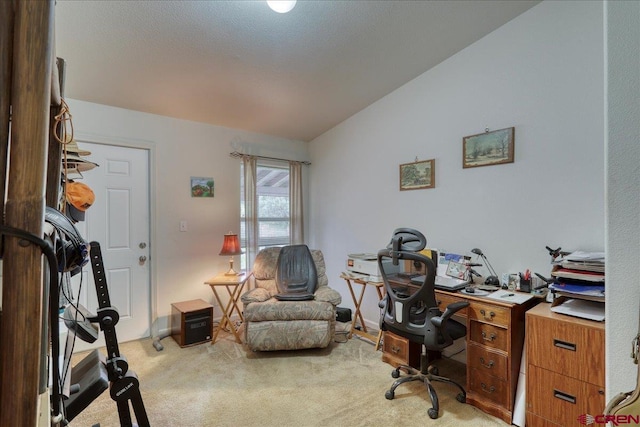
(183, 225)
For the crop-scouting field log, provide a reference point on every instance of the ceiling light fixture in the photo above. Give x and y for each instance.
(281, 6)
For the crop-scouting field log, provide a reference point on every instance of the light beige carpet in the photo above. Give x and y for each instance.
(228, 385)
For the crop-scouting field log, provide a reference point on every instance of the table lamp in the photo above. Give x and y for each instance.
(493, 278)
(231, 247)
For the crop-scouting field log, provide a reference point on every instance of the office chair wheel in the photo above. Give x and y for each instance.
(395, 373)
(433, 370)
(389, 395)
(461, 398)
(433, 414)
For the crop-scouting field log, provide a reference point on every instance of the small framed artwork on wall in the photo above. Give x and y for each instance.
(418, 175)
(488, 148)
(201, 186)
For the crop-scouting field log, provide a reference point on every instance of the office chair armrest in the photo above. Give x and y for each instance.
(383, 307)
(439, 321)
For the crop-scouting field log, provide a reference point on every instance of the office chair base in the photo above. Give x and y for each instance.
(426, 378)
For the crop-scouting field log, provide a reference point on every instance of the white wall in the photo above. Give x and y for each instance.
(622, 20)
(542, 73)
(181, 149)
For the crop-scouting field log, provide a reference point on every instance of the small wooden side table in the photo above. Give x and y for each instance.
(357, 315)
(233, 285)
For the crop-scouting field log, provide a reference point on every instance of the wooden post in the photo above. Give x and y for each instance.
(22, 264)
(6, 63)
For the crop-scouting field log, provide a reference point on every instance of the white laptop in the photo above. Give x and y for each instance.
(454, 280)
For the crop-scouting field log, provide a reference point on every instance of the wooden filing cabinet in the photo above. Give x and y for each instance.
(565, 368)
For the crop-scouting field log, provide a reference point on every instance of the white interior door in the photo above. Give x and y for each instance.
(119, 221)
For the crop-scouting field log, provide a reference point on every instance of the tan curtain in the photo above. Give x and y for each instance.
(295, 203)
(250, 209)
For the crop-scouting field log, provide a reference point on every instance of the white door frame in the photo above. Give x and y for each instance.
(151, 148)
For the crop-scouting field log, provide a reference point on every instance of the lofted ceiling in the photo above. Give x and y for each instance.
(238, 64)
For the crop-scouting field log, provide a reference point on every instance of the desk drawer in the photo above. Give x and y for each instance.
(445, 299)
(397, 350)
(572, 349)
(559, 398)
(487, 360)
(489, 387)
(488, 313)
(489, 335)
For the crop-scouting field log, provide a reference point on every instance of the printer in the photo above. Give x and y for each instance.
(365, 266)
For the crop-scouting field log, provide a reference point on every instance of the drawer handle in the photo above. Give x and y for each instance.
(491, 337)
(564, 345)
(564, 396)
(487, 365)
(395, 349)
(484, 314)
(487, 389)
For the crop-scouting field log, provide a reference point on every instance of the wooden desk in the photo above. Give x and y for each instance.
(233, 285)
(357, 315)
(495, 339)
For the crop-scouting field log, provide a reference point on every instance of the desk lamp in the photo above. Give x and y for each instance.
(231, 247)
(493, 279)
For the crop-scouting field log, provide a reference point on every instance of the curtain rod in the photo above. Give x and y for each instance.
(238, 155)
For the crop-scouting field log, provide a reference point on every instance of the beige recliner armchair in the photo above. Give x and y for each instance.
(271, 324)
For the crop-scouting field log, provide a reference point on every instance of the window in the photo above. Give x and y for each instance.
(273, 207)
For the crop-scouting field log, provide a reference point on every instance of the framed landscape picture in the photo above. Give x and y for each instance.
(418, 175)
(201, 186)
(489, 148)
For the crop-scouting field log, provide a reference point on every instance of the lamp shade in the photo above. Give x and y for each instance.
(231, 245)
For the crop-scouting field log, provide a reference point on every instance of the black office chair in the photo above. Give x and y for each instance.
(414, 314)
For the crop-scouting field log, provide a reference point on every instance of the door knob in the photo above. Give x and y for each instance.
(142, 259)
(142, 245)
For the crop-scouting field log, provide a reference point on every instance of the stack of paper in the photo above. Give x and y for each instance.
(592, 292)
(582, 256)
(580, 275)
(587, 276)
(580, 308)
(597, 267)
(582, 266)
